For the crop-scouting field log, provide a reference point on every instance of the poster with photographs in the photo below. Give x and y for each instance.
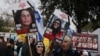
(33, 36)
(23, 37)
(55, 28)
(24, 18)
(87, 42)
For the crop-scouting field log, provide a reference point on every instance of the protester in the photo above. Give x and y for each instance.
(39, 49)
(10, 47)
(66, 49)
(54, 48)
(3, 48)
(19, 44)
(28, 47)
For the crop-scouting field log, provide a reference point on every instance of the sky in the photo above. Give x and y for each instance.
(3, 6)
(6, 7)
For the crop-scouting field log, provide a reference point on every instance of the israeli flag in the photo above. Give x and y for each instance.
(39, 23)
(40, 26)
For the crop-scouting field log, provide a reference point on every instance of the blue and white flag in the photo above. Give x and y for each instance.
(40, 26)
(39, 22)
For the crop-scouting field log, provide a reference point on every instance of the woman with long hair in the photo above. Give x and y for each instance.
(39, 49)
(25, 20)
(54, 31)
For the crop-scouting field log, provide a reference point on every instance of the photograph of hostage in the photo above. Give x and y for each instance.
(54, 31)
(25, 21)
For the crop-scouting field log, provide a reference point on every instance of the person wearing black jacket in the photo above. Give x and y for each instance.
(10, 47)
(28, 47)
(66, 49)
(3, 48)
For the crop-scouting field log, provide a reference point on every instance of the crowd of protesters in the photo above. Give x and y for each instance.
(37, 48)
(59, 45)
(6, 48)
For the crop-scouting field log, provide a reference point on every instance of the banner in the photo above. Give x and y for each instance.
(61, 15)
(55, 28)
(87, 42)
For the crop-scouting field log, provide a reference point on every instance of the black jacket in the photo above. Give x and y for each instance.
(3, 49)
(69, 52)
(26, 50)
(10, 51)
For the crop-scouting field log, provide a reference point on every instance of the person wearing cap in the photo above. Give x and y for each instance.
(39, 49)
(66, 49)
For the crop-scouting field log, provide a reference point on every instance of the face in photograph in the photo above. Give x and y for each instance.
(80, 39)
(84, 39)
(74, 38)
(89, 40)
(26, 18)
(95, 43)
(56, 24)
(25, 21)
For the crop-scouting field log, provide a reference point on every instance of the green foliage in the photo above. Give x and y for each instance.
(83, 11)
(5, 25)
(1, 23)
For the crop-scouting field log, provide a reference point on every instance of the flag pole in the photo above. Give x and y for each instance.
(30, 50)
(30, 5)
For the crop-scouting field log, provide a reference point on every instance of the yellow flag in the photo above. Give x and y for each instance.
(47, 44)
(22, 37)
